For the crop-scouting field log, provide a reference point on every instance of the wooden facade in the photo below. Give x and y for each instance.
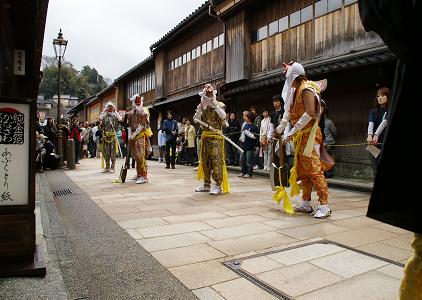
(331, 34)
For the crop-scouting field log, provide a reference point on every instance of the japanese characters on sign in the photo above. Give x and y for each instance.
(14, 153)
(19, 65)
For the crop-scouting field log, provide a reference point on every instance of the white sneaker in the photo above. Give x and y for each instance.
(303, 206)
(241, 175)
(106, 171)
(255, 167)
(247, 176)
(215, 190)
(140, 180)
(322, 212)
(202, 188)
(134, 177)
(195, 169)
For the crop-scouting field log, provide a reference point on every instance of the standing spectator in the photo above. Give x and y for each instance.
(328, 133)
(75, 134)
(119, 136)
(170, 128)
(234, 134)
(378, 121)
(96, 138)
(50, 130)
(84, 136)
(90, 141)
(65, 138)
(250, 132)
(265, 135)
(279, 111)
(181, 141)
(257, 163)
(161, 145)
(189, 142)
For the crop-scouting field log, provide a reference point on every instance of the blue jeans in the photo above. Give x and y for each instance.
(246, 161)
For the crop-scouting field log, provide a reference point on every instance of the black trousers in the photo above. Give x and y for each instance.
(170, 145)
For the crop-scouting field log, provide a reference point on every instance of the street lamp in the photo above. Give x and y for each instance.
(60, 45)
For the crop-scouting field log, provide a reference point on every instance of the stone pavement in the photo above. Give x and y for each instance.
(193, 234)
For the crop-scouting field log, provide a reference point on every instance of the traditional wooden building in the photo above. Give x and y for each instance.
(22, 26)
(187, 57)
(327, 37)
(95, 106)
(139, 80)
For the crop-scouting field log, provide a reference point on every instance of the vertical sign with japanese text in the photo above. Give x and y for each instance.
(14, 153)
(19, 62)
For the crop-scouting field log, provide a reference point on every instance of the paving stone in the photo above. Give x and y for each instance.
(173, 241)
(373, 285)
(207, 293)
(251, 243)
(312, 231)
(186, 255)
(232, 221)
(359, 237)
(305, 253)
(203, 274)
(259, 265)
(139, 223)
(241, 289)
(173, 229)
(356, 222)
(403, 242)
(194, 217)
(299, 279)
(348, 263)
(237, 231)
(386, 251)
(393, 271)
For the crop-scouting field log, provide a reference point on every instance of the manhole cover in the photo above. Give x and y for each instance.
(310, 268)
(62, 193)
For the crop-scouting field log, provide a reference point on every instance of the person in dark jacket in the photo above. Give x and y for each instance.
(395, 21)
(233, 132)
(171, 130)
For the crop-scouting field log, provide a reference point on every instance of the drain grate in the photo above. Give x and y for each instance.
(236, 266)
(62, 193)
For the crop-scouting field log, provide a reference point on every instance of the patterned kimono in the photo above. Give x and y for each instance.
(310, 170)
(109, 143)
(140, 146)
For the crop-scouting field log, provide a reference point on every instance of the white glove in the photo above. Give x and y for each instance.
(220, 111)
(283, 123)
(304, 119)
(249, 134)
(198, 112)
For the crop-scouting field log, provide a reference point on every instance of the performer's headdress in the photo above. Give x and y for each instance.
(205, 100)
(134, 98)
(108, 104)
(292, 71)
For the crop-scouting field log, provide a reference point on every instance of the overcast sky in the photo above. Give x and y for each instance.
(112, 36)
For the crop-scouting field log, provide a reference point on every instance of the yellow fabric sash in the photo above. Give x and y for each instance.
(281, 194)
(108, 137)
(146, 132)
(200, 175)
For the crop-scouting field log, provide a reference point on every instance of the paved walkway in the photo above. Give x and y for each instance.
(192, 234)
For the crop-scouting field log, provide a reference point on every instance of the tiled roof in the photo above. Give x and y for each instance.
(198, 11)
(141, 64)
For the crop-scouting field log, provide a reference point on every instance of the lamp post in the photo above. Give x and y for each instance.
(60, 45)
